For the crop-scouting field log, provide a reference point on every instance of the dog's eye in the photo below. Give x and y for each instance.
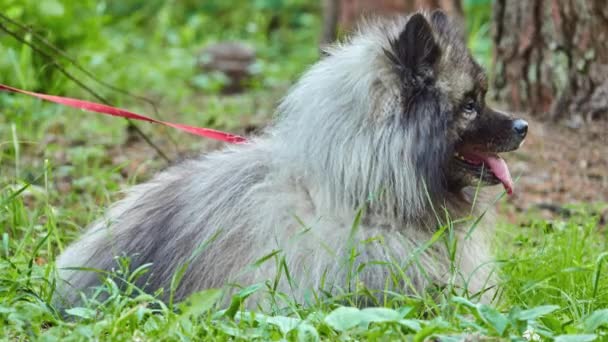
(470, 106)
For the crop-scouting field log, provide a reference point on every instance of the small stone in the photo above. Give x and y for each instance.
(233, 59)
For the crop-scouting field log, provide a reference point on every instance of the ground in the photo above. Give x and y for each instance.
(559, 166)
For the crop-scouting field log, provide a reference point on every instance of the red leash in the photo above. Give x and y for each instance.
(104, 109)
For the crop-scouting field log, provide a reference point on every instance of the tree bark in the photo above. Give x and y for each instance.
(551, 57)
(331, 13)
(344, 14)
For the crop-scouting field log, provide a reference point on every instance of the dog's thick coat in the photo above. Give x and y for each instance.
(372, 126)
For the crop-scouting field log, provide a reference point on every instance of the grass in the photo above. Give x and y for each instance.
(553, 281)
(59, 169)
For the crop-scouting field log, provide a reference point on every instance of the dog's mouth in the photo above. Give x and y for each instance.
(489, 167)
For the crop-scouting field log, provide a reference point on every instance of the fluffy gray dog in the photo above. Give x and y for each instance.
(391, 124)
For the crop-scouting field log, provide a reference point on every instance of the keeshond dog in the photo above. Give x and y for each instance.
(376, 149)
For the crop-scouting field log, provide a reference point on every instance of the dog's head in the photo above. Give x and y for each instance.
(400, 109)
(441, 81)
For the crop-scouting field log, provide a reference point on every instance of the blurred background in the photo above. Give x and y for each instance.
(226, 64)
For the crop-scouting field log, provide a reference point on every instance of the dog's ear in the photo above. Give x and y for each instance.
(439, 19)
(415, 51)
(453, 28)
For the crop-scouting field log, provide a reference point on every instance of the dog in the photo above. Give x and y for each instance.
(375, 151)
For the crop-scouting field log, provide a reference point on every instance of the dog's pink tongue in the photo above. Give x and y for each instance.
(500, 169)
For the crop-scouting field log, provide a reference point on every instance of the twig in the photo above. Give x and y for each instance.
(77, 65)
(86, 88)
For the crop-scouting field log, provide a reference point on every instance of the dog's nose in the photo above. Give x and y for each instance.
(520, 127)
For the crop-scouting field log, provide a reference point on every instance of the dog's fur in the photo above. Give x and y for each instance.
(372, 126)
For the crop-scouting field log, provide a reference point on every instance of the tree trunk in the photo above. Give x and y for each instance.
(331, 14)
(346, 13)
(551, 57)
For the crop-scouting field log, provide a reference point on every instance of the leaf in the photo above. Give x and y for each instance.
(265, 258)
(199, 302)
(464, 301)
(598, 272)
(268, 4)
(52, 8)
(285, 324)
(494, 318)
(448, 338)
(238, 299)
(596, 320)
(535, 312)
(411, 324)
(307, 332)
(575, 338)
(405, 310)
(380, 315)
(438, 325)
(81, 312)
(553, 324)
(344, 318)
